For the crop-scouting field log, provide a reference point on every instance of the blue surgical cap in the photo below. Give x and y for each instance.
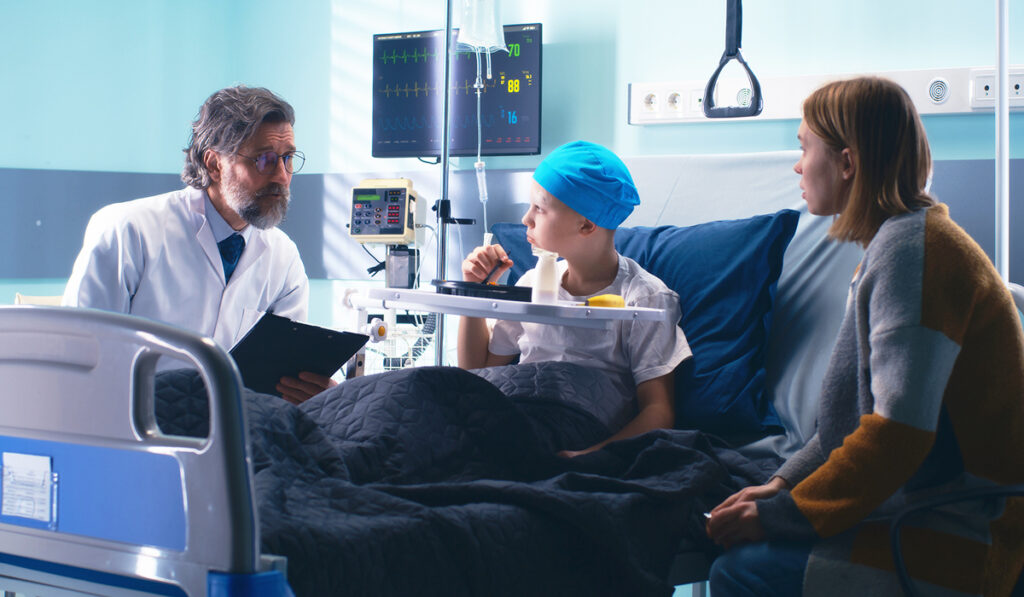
(591, 180)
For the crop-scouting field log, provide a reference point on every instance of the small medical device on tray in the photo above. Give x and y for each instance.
(385, 211)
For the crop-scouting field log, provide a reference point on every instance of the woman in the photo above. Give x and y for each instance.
(923, 393)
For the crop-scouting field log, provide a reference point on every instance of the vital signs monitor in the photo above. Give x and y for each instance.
(407, 79)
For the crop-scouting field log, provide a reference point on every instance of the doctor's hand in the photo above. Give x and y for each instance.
(736, 520)
(485, 263)
(305, 387)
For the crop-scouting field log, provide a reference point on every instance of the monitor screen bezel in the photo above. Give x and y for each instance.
(486, 149)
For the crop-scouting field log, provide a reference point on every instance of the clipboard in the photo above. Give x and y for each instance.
(278, 347)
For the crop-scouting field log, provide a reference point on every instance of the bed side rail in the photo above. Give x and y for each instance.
(76, 393)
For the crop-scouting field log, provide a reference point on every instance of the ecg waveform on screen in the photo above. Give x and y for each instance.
(419, 55)
(408, 92)
(416, 56)
(424, 90)
(415, 123)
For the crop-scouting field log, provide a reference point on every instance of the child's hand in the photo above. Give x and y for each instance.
(485, 263)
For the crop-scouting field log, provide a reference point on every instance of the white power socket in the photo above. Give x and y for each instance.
(983, 88)
(669, 101)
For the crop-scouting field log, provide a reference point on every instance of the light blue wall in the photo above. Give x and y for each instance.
(106, 85)
(802, 37)
(112, 84)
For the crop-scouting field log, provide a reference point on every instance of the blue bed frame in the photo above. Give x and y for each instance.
(77, 390)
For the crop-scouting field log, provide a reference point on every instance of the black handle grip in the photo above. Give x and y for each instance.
(733, 35)
(756, 101)
(733, 27)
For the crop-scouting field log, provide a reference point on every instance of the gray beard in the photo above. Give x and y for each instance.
(255, 208)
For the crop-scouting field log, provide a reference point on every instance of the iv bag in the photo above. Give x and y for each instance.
(480, 27)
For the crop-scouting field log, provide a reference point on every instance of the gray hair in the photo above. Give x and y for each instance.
(225, 121)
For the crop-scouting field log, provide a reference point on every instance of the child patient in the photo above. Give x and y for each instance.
(580, 194)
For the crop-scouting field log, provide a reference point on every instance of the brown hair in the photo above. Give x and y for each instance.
(876, 120)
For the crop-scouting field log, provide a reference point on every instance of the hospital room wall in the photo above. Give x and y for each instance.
(593, 49)
(116, 81)
(102, 91)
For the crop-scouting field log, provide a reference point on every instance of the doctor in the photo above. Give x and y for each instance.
(209, 257)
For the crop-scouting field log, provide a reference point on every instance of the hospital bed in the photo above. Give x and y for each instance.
(208, 535)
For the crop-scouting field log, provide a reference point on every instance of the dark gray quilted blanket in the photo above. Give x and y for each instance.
(433, 481)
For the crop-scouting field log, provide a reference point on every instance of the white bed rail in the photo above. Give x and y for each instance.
(76, 387)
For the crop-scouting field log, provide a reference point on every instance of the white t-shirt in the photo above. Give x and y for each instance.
(631, 351)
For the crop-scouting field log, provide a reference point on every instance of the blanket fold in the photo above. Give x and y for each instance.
(436, 481)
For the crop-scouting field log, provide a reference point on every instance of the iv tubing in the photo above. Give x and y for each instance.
(479, 85)
(481, 175)
(481, 185)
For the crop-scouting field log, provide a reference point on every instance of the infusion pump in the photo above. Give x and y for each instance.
(385, 211)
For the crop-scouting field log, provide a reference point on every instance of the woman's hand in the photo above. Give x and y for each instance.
(736, 520)
(575, 453)
(755, 492)
(481, 262)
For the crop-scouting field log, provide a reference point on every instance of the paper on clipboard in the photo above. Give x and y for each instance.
(278, 347)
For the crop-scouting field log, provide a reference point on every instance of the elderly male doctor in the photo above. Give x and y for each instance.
(209, 257)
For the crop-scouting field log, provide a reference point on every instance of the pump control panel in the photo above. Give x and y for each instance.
(385, 210)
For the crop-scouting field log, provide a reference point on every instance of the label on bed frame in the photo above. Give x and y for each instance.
(113, 494)
(28, 488)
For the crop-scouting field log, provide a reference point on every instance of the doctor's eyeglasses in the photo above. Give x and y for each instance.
(267, 161)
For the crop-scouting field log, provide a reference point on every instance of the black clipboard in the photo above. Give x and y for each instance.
(278, 347)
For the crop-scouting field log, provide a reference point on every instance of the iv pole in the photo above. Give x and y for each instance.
(1002, 253)
(443, 204)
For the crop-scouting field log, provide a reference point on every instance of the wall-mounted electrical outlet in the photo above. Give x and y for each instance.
(650, 102)
(983, 91)
(670, 101)
(983, 88)
(675, 101)
(1016, 88)
(697, 102)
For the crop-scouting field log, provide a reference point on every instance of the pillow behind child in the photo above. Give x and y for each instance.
(725, 273)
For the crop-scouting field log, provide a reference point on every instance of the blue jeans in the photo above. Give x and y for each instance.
(767, 568)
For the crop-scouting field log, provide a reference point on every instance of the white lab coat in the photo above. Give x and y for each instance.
(156, 257)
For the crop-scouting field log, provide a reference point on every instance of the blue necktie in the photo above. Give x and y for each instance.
(230, 250)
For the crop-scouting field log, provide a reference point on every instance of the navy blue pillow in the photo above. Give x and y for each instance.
(725, 273)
